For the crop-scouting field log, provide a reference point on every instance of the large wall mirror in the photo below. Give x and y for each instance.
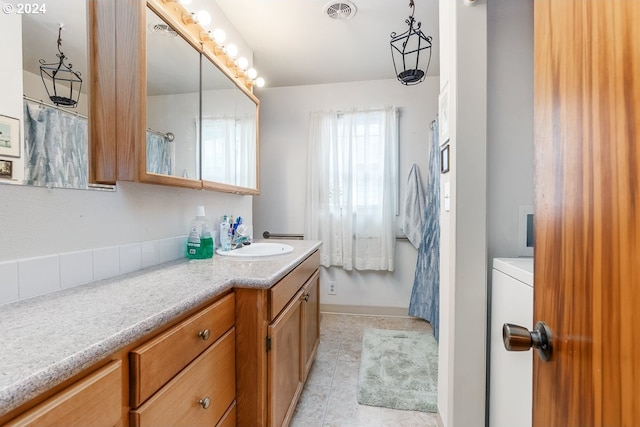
(51, 141)
(201, 124)
(51, 147)
(173, 101)
(54, 120)
(229, 130)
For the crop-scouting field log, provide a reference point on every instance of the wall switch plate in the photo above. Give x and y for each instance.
(333, 288)
(447, 197)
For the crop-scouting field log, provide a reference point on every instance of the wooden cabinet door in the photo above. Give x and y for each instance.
(284, 375)
(310, 322)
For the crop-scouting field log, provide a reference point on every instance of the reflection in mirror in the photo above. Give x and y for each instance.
(56, 139)
(173, 101)
(228, 130)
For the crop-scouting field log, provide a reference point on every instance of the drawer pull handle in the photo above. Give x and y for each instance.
(205, 403)
(307, 296)
(204, 335)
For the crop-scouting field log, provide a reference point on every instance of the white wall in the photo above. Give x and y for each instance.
(41, 221)
(463, 305)
(510, 121)
(284, 117)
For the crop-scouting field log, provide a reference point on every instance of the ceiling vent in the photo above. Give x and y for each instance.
(163, 30)
(340, 10)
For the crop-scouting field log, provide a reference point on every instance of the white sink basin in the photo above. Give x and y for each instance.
(258, 250)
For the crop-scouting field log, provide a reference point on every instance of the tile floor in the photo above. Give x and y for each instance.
(329, 398)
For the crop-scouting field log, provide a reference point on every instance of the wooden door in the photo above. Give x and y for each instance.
(587, 211)
(284, 376)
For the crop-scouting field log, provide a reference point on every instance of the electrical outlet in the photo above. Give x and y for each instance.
(333, 288)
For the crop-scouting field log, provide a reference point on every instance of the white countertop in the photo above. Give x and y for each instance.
(48, 339)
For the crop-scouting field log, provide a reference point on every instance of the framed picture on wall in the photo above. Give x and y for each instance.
(6, 169)
(9, 136)
(444, 159)
(443, 112)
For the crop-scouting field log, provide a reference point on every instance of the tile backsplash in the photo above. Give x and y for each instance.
(30, 277)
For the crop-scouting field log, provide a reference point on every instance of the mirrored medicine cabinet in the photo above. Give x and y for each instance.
(182, 110)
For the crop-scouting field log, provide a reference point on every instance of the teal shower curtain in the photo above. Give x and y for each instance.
(425, 296)
(159, 154)
(56, 147)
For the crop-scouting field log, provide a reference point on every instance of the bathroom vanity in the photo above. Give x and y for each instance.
(210, 342)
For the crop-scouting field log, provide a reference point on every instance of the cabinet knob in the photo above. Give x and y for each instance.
(204, 335)
(307, 296)
(205, 403)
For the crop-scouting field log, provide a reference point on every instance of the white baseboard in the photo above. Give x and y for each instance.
(364, 310)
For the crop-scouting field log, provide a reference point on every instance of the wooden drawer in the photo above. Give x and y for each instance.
(93, 401)
(160, 359)
(281, 293)
(211, 375)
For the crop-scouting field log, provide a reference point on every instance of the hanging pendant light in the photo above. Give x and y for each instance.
(61, 82)
(406, 48)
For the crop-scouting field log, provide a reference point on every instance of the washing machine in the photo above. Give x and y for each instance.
(510, 373)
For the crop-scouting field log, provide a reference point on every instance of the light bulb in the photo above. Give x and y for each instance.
(203, 18)
(243, 63)
(219, 36)
(260, 82)
(232, 50)
(252, 73)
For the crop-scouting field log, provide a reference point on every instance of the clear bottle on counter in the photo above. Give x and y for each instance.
(225, 238)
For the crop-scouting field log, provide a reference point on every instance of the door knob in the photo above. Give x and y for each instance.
(518, 338)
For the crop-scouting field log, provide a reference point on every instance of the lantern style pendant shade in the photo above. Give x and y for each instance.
(61, 82)
(406, 49)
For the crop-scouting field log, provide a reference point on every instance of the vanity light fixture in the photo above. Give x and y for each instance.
(189, 18)
(228, 52)
(231, 50)
(59, 78)
(219, 35)
(243, 63)
(203, 18)
(252, 73)
(410, 68)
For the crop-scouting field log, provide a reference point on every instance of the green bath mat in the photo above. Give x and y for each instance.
(399, 370)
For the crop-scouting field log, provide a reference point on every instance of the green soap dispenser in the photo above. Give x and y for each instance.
(200, 241)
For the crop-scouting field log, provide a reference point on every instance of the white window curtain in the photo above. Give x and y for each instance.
(228, 150)
(352, 187)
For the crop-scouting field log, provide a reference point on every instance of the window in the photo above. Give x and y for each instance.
(353, 187)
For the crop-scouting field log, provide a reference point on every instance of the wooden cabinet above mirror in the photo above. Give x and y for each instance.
(185, 118)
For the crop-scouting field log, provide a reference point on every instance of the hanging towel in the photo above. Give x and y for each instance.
(414, 207)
